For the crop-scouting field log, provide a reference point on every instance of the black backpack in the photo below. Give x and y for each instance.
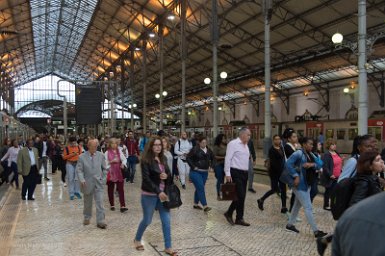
(340, 197)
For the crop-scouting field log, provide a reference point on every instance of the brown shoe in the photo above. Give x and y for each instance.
(102, 225)
(242, 223)
(229, 218)
(86, 222)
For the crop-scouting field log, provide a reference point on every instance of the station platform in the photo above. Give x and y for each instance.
(52, 225)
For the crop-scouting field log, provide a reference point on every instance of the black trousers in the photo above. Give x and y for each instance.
(327, 194)
(240, 179)
(29, 183)
(276, 187)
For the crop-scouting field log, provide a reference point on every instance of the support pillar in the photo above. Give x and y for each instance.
(362, 75)
(267, 142)
(161, 70)
(184, 57)
(144, 70)
(132, 86)
(215, 38)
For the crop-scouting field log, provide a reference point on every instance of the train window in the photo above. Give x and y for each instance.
(262, 134)
(376, 132)
(300, 133)
(352, 133)
(329, 133)
(341, 134)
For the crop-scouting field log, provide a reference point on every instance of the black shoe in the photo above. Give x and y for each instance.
(23, 198)
(321, 245)
(31, 199)
(184, 186)
(284, 210)
(252, 190)
(260, 204)
(112, 208)
(124, 209)
(207, 209)
(229, 218)
(45, 178)
(327, 208)
(198, 207)
(291, 228)
(242, 223)
(319, 233)
(132, 182)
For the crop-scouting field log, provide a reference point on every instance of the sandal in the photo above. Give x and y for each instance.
(172, 253)
(138, 246)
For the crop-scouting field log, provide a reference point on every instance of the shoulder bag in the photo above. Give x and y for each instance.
(174, 199)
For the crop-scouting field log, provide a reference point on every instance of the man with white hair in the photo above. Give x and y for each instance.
(237, 171)
(181, 149)
(90, 168)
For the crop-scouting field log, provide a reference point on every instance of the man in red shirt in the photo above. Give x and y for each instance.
(133, 155)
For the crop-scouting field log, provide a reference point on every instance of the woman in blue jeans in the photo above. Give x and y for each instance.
(200, 159)
(304, 161)
(219, 151)
(155, 177)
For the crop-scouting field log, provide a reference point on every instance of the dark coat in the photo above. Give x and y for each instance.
(39, 147)
(327, 171)
(365, 186)
(151, 176)
(276, 162)
(253, 155)
(198, 159)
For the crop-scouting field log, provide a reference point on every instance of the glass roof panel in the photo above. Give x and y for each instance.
(58, 29)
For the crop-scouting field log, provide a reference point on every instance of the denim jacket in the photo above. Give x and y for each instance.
(295, 163)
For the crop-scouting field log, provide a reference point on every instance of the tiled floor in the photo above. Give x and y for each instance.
(52, 225)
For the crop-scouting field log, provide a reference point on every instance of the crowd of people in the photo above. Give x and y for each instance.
(87, 164)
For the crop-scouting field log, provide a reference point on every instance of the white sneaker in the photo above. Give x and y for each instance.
(65, 184)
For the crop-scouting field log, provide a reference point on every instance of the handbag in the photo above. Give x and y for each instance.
(229, 192)
(126, 172)
(174, 199)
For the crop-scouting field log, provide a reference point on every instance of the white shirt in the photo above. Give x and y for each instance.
(237, 156)
(11, 155)
(32, 157)
(44, 153)
(184, 148)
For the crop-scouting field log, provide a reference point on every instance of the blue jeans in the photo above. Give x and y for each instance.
(149, 204)
(219, 170)
(15, 174)
(73, 183)
(302, 198)
(199, 178)
(132, 166)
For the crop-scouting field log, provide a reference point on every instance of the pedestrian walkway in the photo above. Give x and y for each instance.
(52, 225)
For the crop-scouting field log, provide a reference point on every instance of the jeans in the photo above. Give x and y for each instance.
(251, 174)
(199, 179)
(73, 183)
(219, 170)
(44, 162)
(149, 204)
(15, 174)
(132, 161)
(240, 179)
(276, 187)
(120, 188)
(302, 198)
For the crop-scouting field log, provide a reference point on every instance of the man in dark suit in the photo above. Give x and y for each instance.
(44, 147)
(28, 166)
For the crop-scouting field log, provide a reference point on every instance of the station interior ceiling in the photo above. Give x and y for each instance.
(105, 39)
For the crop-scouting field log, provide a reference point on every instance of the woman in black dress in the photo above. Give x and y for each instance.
(275, 166)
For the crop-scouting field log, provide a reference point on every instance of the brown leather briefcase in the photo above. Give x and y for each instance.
(229, 191)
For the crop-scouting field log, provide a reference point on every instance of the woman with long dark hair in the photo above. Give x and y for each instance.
(219, 151)
(275, 167)
(156, 176)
